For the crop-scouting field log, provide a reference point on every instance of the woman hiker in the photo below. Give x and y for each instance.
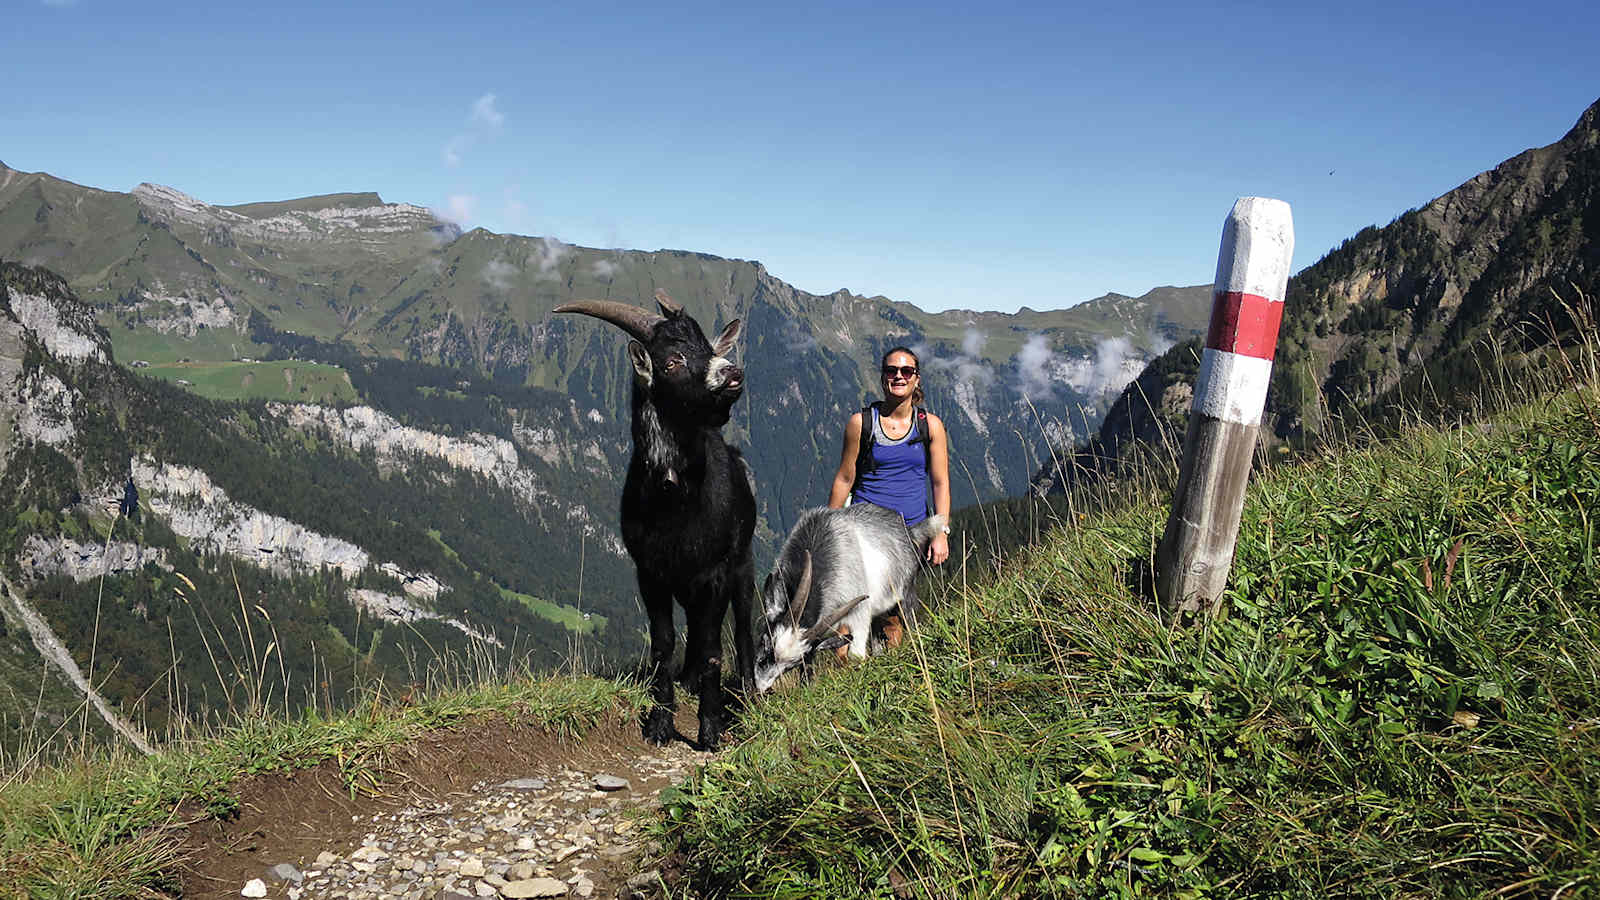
(895, 454)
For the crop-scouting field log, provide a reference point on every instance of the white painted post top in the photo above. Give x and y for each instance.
(1257, 246)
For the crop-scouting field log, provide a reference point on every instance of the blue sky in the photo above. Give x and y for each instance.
(983, 156)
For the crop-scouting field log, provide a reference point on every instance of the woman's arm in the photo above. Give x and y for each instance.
(845, 478)
(939, 479)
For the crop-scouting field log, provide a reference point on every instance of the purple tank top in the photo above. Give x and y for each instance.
(899, 476)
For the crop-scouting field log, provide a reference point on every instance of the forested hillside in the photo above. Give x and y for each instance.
(1412, 316)
(196, 556)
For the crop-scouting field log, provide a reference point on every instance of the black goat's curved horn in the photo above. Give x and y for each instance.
(668, 305)
(635, 320)
(820, 630)
(797, 603)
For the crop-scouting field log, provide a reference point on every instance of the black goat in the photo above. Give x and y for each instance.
(687, 506)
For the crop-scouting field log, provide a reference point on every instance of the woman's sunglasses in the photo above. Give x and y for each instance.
(906, 372)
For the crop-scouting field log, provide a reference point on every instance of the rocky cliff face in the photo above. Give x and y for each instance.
(495, 458)
(357, 217)
(80, 561)
(44, 343)
(195, 508)
(1419, 297)
(89, 450)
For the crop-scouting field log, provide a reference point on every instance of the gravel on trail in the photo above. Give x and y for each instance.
(566, 823)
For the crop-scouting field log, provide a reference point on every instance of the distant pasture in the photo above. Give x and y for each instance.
(288, 380)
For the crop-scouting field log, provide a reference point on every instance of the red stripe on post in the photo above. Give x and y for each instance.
(1246, 324)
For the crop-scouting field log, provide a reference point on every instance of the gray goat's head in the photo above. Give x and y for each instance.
(786, 640)
(687, 378)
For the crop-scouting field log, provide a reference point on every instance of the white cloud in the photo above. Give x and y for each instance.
(604, 268)
(498, 274)
(1034, 364)
(966, 367)
(547, 255)
(483, 118)
(484, 113)
(458, 208)
(1110, 366)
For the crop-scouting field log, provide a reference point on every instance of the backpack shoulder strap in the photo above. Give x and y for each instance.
(927, 453)
(864, 448)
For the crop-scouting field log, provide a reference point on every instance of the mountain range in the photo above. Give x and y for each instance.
(346, 431)
(369, 424)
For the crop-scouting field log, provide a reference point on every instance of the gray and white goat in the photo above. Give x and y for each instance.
(838, 567)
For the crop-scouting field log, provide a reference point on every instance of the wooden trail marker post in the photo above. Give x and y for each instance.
(1196, 551)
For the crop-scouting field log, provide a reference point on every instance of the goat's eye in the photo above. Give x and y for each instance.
(673, 362)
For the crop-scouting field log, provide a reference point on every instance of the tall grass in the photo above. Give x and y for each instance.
(1399, 696)
(102, 826)
(81, 817)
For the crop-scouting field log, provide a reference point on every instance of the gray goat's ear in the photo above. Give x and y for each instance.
(640, 358)
(833, 643)
(723, 345)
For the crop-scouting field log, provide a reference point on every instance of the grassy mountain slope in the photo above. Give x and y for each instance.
(1396, 698)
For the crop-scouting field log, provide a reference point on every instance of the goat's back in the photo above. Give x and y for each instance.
(860, 549)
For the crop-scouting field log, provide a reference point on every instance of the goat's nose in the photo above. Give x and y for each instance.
(735, 377)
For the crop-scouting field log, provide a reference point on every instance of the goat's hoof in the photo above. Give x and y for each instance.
(709, 738)
(658, 727)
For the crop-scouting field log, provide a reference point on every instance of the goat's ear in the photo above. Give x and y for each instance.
(723, 345)
(640, 358)
(832, 643)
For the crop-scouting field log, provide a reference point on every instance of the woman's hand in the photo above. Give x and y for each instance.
(938, 549)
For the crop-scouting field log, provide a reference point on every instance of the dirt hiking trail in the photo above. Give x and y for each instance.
(485, 810)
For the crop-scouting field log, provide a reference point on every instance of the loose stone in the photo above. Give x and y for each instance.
(535, 887)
